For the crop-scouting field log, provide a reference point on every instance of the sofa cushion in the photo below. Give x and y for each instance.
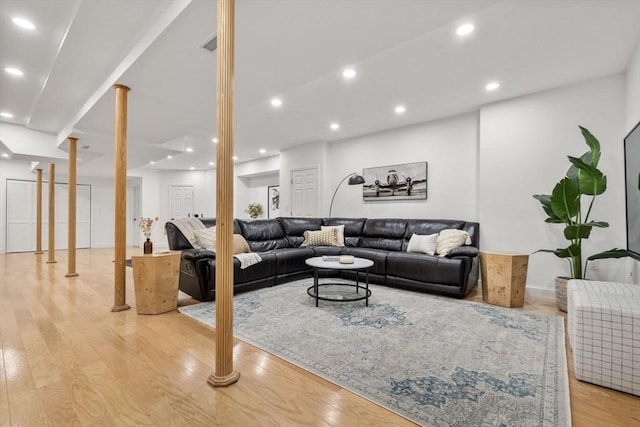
(263, 234)
(428, 226)
(321, 238)
(352, 228)
(339, 232)
(423, 244)
(378, 256)
(292, 260)
(386, 234)
(294, 228)
(426, 268)
(207, 237)
(449, 239)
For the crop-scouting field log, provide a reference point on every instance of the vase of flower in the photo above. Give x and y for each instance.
(146, 225)
(148, 246)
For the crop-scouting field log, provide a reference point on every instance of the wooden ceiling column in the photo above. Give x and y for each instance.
(120, 206)
(224, 374)
(71, 223)
(52, 215)
(38, 212)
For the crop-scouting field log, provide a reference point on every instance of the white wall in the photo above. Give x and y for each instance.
(301, 157)
(633, 90)
(523, 147)
(252, 181)
(449, 147)
(102, 201)
(633, 117)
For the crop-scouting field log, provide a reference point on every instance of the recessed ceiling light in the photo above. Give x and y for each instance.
(5, 155)
(21, 22)
(211, 163)
(14, 71)
(152, 162)
(349, 73)
(215, 140)
(334, 126)
(276, 102)
(7, 115)
(192, 168)
(400, 109)
(465, 29)
(262, 151)
(189, 150)
(492, 86)
(169, 157)
(235, 157)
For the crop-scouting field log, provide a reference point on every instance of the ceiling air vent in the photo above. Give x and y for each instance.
(212, 44)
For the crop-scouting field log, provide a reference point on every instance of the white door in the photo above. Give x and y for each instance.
(21, 216)
(181, 201)
(304, 188)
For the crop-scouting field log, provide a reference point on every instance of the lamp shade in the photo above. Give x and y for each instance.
(354, 179)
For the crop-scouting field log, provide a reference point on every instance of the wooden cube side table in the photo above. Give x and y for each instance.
(504, 277)
(155, 278)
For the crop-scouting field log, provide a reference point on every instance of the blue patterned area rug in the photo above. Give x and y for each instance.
(434, 360)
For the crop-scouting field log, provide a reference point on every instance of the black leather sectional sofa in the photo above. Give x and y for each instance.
(384, 241)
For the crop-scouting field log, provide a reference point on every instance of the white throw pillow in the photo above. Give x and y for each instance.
(206, 238)
(340, 231)
(451, 238)
(425, 244)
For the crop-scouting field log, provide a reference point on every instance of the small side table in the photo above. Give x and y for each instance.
(504, 277)
(155, 278)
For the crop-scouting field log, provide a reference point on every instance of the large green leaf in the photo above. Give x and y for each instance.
(545, 200)
(600, 224)
(565, 200)
(613, 253)
(570, 251)
(591, 181)
(572, 172)
(577, 231)
(593, 144)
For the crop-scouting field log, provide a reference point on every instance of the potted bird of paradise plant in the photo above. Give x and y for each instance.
(577, 190)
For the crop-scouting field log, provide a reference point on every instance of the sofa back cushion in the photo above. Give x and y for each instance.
(352, 228)
(433, 226)
(294, 228)
(263, 234)
(473, 228)
(387, 234)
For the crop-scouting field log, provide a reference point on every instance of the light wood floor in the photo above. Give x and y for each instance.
(67, 360)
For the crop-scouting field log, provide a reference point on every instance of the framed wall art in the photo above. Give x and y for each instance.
(273, 201)
(407, 181)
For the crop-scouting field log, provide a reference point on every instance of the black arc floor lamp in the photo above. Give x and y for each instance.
(354, 179)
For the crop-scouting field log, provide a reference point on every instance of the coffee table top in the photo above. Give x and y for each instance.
(358, 263)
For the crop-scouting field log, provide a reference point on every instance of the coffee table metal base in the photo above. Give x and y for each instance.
(311, 290)
(314, 290)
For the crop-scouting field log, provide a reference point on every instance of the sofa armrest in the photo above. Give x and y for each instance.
(470, 251)
(198, 254)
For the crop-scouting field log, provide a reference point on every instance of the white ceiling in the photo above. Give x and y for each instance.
(404, 51)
